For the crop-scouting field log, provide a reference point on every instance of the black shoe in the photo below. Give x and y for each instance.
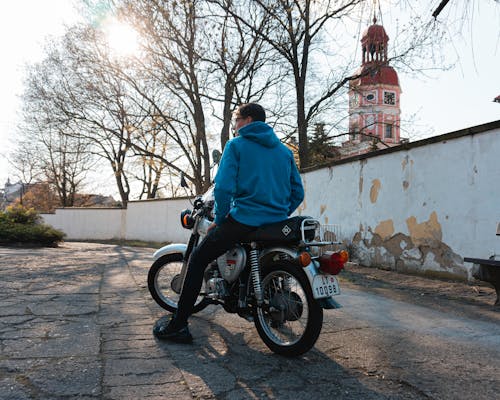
(166, 329)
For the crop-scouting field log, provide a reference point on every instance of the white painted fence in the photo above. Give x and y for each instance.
(421, 206)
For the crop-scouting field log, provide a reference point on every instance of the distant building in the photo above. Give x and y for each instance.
(11, 191)
(40, 196)
(374, 98)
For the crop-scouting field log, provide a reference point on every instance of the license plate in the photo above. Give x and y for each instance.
(325, 286)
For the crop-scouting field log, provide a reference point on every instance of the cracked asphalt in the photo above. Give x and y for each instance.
(75, 323)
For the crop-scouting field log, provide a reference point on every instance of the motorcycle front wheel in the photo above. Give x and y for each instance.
(290, 320)
(164, 283)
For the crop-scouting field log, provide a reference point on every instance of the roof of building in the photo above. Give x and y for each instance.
(376, 33)
(376, 74)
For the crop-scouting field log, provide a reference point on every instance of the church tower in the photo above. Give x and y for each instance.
(374, 97)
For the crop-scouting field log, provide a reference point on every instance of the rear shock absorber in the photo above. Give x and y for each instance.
(255, 272)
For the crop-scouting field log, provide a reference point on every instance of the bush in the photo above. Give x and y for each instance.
(21, 215)
(22, 225)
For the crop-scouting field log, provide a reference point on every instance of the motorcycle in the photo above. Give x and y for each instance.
(278, 278)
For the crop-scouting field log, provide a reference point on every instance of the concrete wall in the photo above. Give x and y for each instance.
(156, 220)
(149, 220)
(89, 223)
(422, 206)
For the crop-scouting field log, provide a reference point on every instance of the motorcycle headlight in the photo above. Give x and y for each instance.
(187, 221)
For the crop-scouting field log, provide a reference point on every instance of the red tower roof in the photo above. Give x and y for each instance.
(375, 33)
(373, 75)
(375, 67)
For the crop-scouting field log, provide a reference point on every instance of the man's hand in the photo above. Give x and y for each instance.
(212, 226)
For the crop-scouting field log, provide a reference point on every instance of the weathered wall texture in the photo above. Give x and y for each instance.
(422, 207)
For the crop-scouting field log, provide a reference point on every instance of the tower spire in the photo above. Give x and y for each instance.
(374, 98)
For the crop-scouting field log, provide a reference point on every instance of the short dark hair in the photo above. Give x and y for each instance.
(253, 110)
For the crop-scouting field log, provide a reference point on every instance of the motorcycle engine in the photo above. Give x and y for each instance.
(216, 288)
(232, 263)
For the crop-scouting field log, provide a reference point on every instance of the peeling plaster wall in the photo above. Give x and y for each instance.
(421, 207)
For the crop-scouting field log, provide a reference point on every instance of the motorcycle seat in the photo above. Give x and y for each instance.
(287, 231)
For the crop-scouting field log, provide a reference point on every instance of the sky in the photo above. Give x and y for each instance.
(24, 25)
(443, 102)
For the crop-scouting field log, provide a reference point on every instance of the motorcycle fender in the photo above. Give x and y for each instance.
(327, 303)
(170, 249)
(267, 254)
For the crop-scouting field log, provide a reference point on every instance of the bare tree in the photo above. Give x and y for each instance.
(47, 153)
(206, 62)
(150, 151)
(84, 95)
(243, 65)
(174, 64)
(295, 26)
(304, 32)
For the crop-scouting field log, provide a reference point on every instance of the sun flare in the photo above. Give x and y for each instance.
(123, 39)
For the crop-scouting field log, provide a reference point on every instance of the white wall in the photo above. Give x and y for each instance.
(88, 223)
(156, 220)
(148, 220)
(422, 206)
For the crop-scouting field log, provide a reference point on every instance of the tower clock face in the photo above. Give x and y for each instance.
(371, 97)
(390, 98)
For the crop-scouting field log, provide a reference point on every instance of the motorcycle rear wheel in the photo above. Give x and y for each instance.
(164, 283)
(290, 320)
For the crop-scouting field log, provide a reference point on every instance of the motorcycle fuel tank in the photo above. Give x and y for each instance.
(232, 263)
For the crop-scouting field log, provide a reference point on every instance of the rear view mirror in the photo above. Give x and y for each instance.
(183, 181)
(216, 156)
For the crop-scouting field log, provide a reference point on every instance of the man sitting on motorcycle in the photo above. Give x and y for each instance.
(257, 183)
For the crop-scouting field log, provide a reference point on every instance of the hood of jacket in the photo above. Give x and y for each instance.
(259, 132)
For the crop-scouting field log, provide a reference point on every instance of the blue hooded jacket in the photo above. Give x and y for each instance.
(257, 182)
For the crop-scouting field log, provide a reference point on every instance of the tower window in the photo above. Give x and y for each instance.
(388, 131)
(390, 98)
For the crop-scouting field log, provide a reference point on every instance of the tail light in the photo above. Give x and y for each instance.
(333, 263)
(187, 221)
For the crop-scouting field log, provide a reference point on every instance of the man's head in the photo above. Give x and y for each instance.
(247, 113)
(252, 110)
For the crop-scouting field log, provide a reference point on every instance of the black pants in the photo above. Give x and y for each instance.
(219, 240)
